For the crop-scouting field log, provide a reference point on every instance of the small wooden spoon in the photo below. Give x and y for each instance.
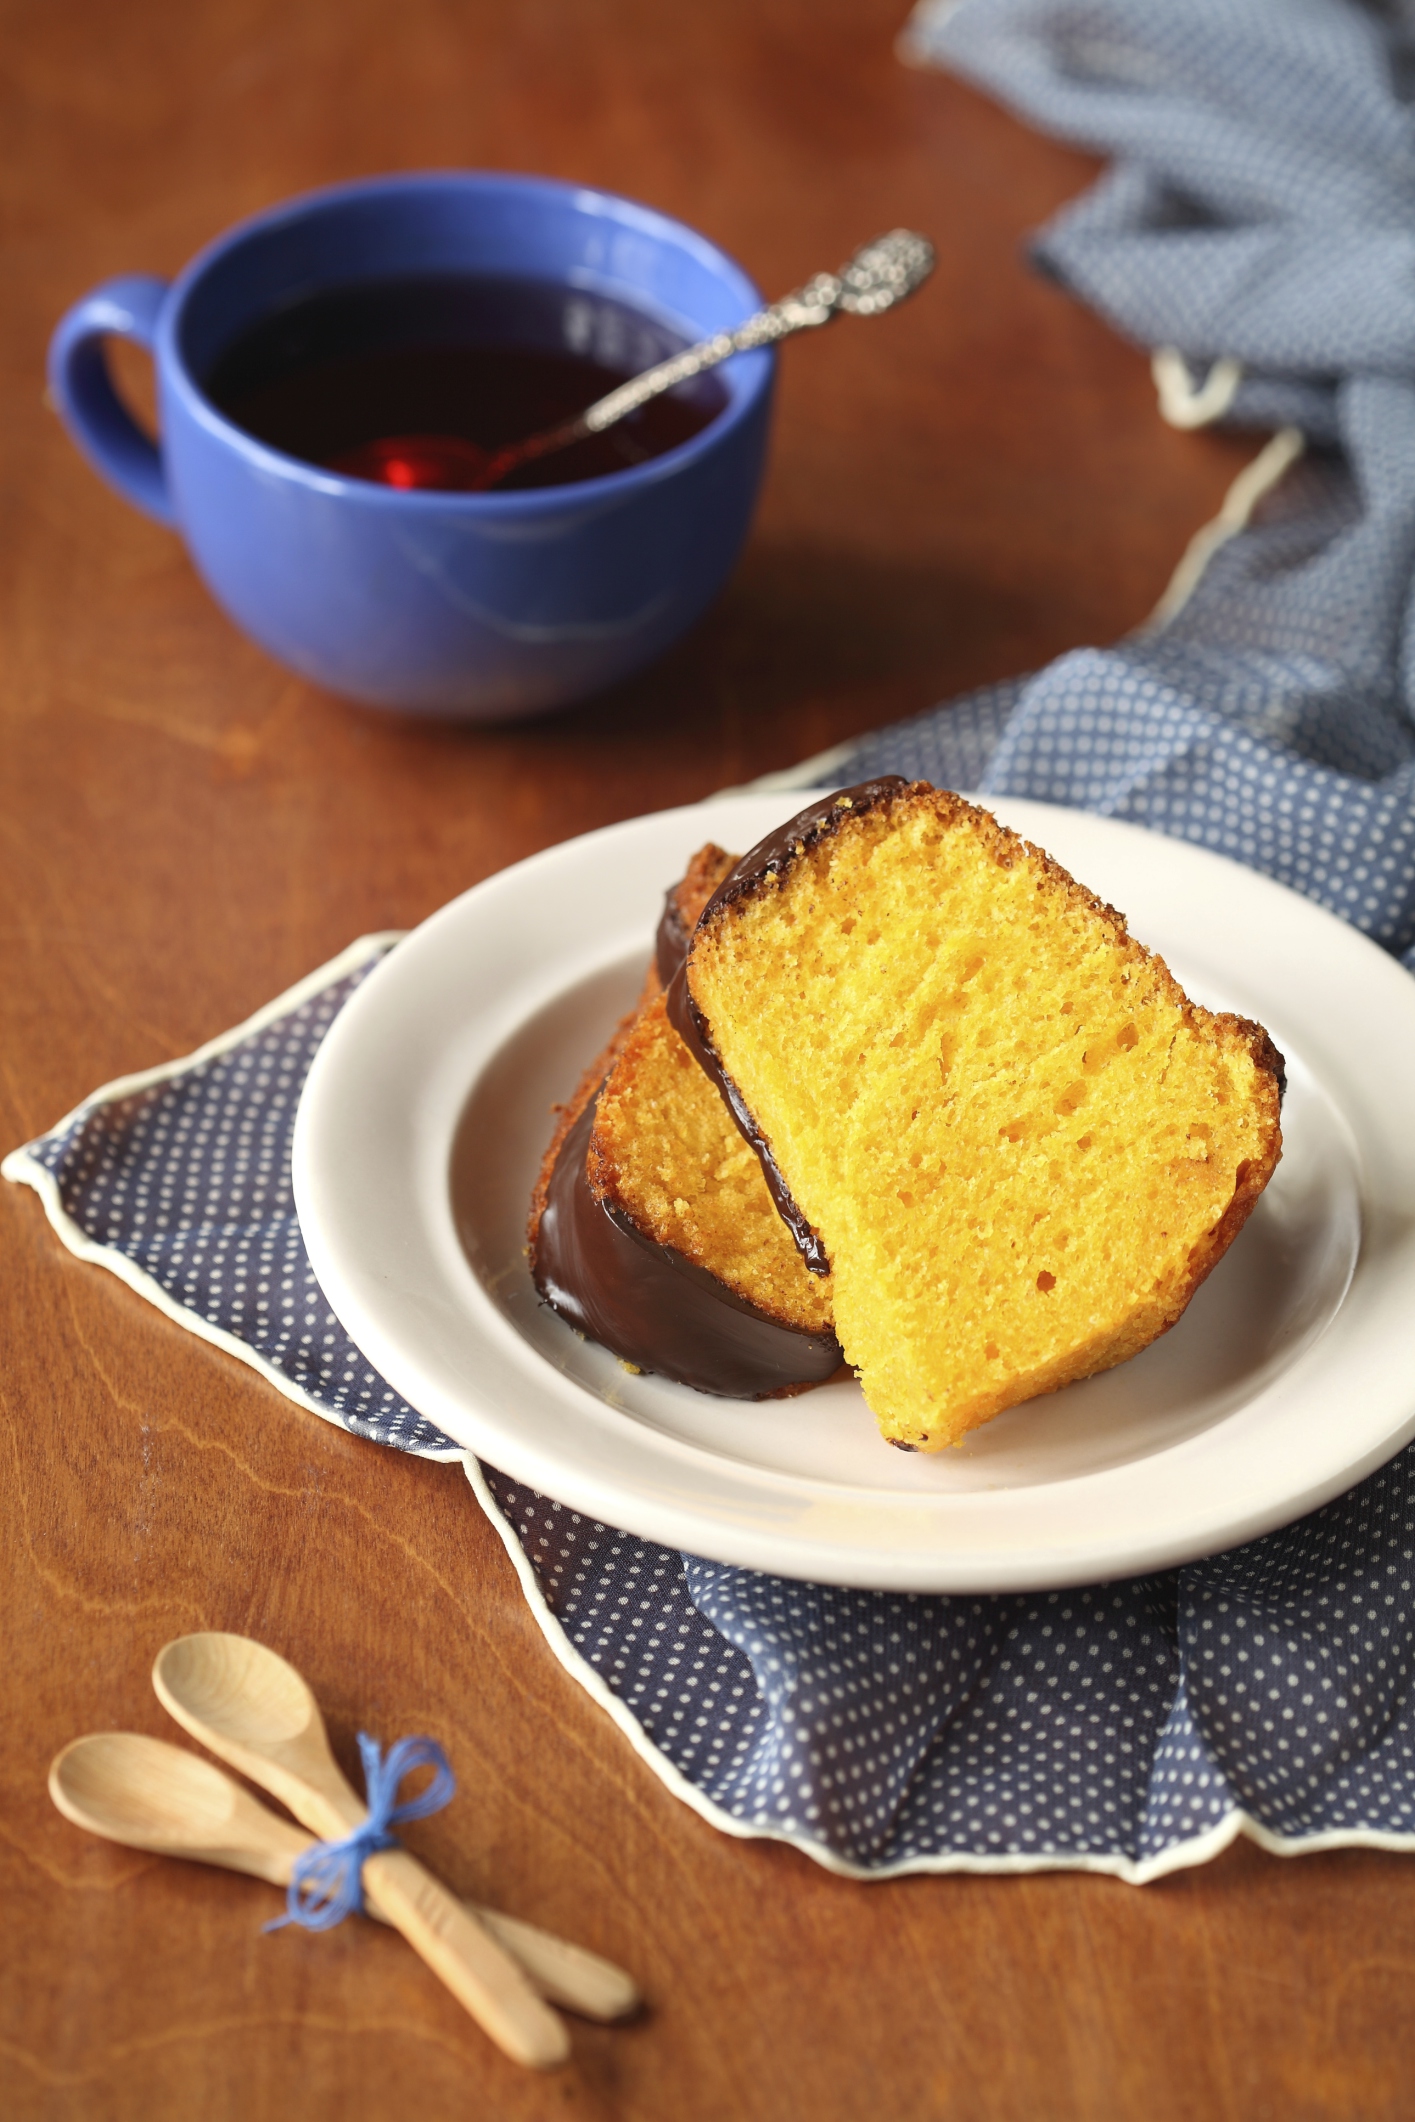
(151, 1795)
(252, 1709)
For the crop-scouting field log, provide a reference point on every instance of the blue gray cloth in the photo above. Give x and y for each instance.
(1122, 1725)
(1259, 208)
(189, 1181)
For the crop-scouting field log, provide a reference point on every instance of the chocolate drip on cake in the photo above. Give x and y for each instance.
(652, 1306)
(769, 858)
(688, 1022)
(672, 940)
(683, 902)
(775, 854)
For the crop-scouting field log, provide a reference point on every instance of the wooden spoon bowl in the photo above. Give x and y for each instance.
(150, 1795)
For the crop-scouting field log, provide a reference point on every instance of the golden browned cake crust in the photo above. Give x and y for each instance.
(1020, 1144)
(684, 902)
(709, 867)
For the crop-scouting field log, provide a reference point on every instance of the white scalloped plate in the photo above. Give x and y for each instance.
(1290, 1377)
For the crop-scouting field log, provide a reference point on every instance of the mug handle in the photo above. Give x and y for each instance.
(88, 405)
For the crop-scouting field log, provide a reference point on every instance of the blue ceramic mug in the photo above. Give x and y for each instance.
(486, 606)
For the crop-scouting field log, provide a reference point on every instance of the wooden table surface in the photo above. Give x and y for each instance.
(957, 494)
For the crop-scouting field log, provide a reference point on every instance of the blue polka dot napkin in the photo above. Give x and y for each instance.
(1123, 1727)
(1258, 227)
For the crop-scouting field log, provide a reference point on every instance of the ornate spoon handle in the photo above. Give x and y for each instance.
(880, 275)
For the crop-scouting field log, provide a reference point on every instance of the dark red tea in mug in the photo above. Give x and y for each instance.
(415, 382)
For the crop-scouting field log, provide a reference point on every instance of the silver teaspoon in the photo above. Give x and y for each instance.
(879, 276)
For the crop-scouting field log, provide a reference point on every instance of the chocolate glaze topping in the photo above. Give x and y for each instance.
(799, 835)
(654, 1307)
(671, 942)
(767, 859)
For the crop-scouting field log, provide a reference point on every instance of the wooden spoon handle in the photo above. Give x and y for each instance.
(481, 1975)
(569, 1975)
(565, 1974)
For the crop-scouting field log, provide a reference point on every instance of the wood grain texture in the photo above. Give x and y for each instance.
(955, 494)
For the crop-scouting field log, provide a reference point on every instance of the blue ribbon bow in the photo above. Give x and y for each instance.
(327, 1881)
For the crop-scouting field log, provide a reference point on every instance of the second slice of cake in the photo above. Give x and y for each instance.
(652, 1229)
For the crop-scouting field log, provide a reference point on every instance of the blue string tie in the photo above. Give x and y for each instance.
(327, 1881)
